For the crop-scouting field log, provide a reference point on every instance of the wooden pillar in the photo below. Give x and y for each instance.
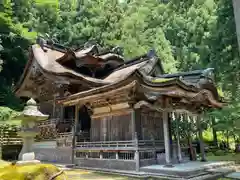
(137, 160)
(200, 136)
(133, 124)
(166, 133)
(135, 137)
(54, 106)
(61, 95)
(170, 135)
(117, 155)
(61, 118)
(105, 121)
(74, 132)
(166, 138)
(136, 155)
(101, 155)
(179, 151)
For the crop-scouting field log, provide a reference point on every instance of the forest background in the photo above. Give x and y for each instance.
(187, 35)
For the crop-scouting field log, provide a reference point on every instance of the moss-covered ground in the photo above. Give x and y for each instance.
(30, 172)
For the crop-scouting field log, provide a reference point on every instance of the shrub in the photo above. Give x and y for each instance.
(210, 154)
(219, 153)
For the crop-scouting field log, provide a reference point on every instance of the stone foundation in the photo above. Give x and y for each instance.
(49, 152)
(106, 164)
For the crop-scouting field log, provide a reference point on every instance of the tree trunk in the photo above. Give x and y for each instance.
(191, 151)
(215, 140)
(228, 140)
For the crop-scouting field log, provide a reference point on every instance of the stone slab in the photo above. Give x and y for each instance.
(234, 175)
(189, 169)
(28, 156)
(28, 162)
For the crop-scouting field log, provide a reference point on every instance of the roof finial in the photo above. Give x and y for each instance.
(151, 53)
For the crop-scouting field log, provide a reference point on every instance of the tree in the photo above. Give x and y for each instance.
(227, 121)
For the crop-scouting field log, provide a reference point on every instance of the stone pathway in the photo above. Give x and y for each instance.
(90, 175)
(80, 174)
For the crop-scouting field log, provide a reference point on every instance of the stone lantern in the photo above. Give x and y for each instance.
(29, 117)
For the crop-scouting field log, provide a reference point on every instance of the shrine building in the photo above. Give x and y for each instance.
(108, 112)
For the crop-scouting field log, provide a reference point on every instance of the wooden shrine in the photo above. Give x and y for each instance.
(107, 112)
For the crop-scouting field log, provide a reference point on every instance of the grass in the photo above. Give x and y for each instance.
(227, 157)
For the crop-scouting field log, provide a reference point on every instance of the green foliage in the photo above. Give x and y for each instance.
(187, 35)
(6, 114)
(219, 153)
(227, 118)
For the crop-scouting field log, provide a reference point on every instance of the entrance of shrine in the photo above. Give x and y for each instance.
(83, 125)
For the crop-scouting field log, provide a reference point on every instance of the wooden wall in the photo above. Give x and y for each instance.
(112, 128)
(46, 107)
(149, 124)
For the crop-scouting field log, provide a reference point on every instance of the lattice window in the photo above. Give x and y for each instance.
(94, 155)
(109, 155)
(126, 155)
(81, 154)
(147, 155)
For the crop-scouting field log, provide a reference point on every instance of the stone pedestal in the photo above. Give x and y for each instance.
(28, 140)
(28, 158)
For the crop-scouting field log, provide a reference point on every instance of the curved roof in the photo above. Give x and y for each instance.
(168, 87)
(46, 59)
(194, 86)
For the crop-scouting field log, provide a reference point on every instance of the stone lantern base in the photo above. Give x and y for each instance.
(27, 146)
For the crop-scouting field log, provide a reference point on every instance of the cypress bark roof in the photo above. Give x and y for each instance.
(50, 60)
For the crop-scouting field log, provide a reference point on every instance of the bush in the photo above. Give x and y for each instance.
(210, 154)
(219, 153)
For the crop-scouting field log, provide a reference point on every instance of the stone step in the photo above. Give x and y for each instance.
(233, 175)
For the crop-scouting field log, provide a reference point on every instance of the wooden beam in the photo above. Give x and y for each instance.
(96, 95)
(113, 113)
(111, 108)
(161, 109)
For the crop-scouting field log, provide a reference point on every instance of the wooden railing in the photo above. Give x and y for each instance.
(10, 141)
(54, 121)
(132, 144)
(64, 139)
(106, 144)
(150, 143)
(48, 122)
